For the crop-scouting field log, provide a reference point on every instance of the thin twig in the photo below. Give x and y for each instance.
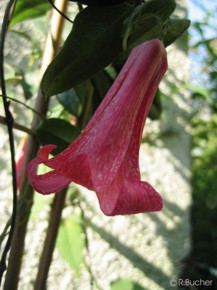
(23, 104)
(18, 126)
(60, 12)
(10, 121)
(5, 231)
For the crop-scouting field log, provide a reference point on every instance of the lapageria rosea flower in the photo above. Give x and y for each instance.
(104, 158)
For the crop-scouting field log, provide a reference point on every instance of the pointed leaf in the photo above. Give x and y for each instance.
(29, 9)
(146, 22)
(146, 28)
(175, 28)
(58, 132)
(26, 87)
(71, 243)
(93, 43)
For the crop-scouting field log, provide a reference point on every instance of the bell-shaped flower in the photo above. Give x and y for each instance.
(105, 157)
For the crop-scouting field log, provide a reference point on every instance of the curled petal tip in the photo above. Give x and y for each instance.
(45, 151)
(47, 183)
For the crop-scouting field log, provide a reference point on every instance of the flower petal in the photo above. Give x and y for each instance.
(49, 182)
(129, 197)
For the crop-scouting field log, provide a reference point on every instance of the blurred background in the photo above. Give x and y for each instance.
(173, 249)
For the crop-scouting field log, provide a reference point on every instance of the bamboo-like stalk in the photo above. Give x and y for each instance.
(49, 244)
(26, 193)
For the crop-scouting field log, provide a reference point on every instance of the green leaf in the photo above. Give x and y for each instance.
(125, 284)
(20, 79)
(58, 132)
(101, 83)
(29, 9)
(160, 8)
(93, 43)
(198, 91)
(71, 102)
(71, 243)
(74, 99)
(147, 27)
(174, 29)
(147, 22)
(27, 89)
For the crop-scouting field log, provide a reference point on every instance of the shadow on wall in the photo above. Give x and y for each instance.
(139, 261)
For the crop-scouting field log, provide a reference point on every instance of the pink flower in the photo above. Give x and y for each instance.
(104, 158)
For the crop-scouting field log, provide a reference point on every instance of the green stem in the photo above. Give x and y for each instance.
(21, 103)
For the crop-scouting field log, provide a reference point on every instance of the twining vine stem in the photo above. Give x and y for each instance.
(59, 11)
(9, 121)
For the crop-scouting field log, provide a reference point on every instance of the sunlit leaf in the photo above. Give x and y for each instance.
(29, 9)
(196, 89)
(71, 243)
